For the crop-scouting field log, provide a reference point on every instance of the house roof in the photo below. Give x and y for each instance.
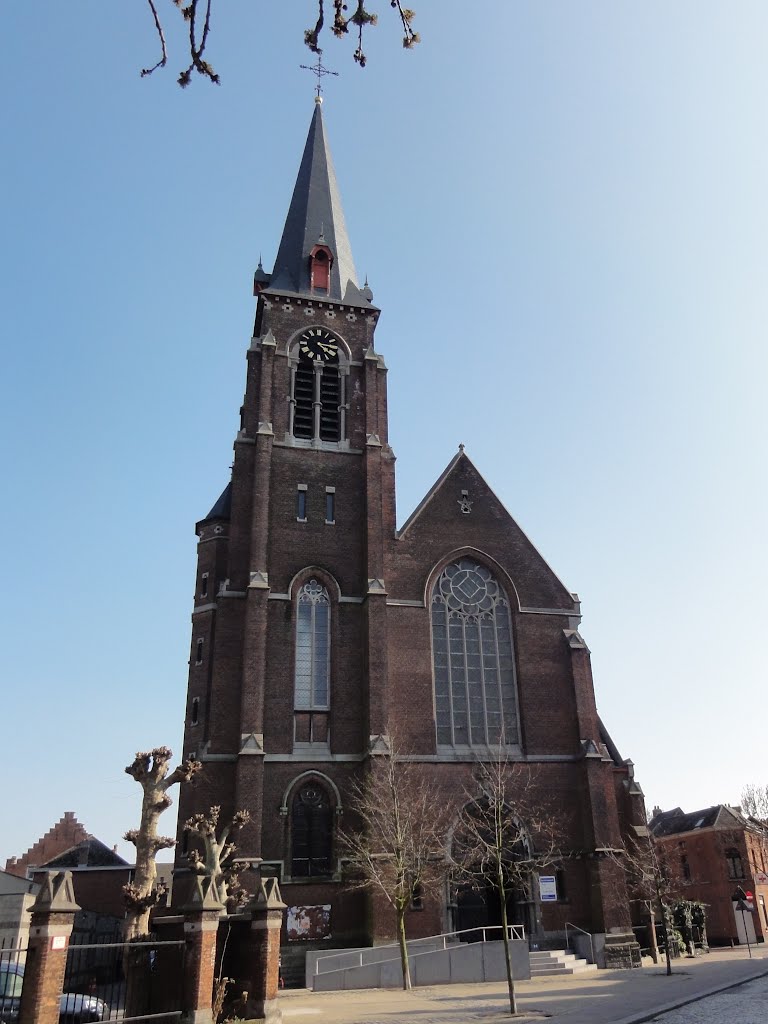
(677, 821)
(90, 853)
(315, 216)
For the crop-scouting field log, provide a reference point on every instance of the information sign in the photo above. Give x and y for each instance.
(548, 888)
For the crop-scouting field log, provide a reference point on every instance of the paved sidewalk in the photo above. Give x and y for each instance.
(607, 997)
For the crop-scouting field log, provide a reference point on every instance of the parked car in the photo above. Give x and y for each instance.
(74, 1008)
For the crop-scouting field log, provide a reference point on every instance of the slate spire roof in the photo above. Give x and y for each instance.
(315, 216)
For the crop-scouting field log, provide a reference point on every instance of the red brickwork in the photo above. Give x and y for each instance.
(66, 833)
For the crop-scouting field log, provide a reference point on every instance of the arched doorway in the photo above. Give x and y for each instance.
(478, 905)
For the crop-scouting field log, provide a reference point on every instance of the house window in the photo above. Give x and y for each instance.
(199, 652)
(330, 504)
(204, 585)
(311, 834)
(313, 648)
(475, 691)
(685, 869)
(195, 713)
(733, 860)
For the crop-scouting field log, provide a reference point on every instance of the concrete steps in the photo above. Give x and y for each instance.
(558, 961)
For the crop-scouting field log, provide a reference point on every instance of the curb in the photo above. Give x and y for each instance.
(675, 1004)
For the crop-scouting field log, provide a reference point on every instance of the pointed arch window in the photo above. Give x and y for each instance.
(313, 648)
(473, 658)
(311, 832)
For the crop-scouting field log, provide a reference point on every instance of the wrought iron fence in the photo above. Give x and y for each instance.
(122, 981)
(12, 960)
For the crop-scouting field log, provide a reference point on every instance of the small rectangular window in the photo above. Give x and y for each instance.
(330, 506)
(204, 585)
(301, 503)
(199, 656)
(195, 714)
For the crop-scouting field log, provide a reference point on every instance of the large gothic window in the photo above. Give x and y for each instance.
(313, 648)
(311, 684)
(311, 833)
(475, 693)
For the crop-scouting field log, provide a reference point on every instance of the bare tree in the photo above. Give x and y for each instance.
(150, 769)
(398, 849)
(505, 835)
(754, 801)
(216, 861)
(654, 878)
(197, 22)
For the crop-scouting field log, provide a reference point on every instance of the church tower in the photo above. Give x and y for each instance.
(319, 627)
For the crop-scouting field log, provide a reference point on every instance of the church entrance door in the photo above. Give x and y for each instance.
(479, 906)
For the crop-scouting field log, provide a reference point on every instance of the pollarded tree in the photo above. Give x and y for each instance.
(216, 862)
(150, 769)
(398, 849)
(504, 836)
(197, 17)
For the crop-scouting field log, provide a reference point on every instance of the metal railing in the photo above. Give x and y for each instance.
(440, 942)
(122, 981)
(575, 928)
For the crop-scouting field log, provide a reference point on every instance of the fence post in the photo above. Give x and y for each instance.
(201, 925)
(267, 910)
(51, 926)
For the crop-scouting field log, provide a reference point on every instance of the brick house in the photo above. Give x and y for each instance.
(717, 850)
(319, 625)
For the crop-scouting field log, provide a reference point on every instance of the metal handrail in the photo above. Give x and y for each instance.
(515, 931)
(576, 928)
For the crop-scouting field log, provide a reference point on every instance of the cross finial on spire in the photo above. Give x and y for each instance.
(320, 71)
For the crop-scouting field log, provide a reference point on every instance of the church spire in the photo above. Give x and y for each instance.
(315, 230)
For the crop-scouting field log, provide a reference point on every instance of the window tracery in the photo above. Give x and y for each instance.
(311, 831)
(473, 658)
(313, 648)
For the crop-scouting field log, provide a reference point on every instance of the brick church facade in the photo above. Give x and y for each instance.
(319, 626)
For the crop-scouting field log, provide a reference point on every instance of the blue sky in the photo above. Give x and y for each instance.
(561, 210)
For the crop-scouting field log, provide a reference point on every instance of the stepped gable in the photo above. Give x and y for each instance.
(66, 833)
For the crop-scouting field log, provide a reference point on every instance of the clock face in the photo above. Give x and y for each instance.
(318, 343)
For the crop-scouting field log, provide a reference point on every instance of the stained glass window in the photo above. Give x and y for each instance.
(475, 692)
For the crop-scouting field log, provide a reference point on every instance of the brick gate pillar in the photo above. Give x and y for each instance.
(201, 925)
(52, 917)
(267, 909)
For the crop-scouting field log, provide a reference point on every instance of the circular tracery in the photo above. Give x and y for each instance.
(468, 587)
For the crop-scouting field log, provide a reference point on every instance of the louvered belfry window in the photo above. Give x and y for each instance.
(313, 648)
(317, 387)
(475, 691)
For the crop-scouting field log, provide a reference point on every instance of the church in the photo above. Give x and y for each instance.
(320, 626)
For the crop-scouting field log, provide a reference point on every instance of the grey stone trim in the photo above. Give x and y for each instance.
(309, 758)
(252, 743)
(210, 607)
(547, 611)
(259, 580)
(351, 600)
(217, 757)
(279, 597)
(405, 604)
(265, 428)
(325, 446)
(208, 540)
(224, 591)
(242, 438)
